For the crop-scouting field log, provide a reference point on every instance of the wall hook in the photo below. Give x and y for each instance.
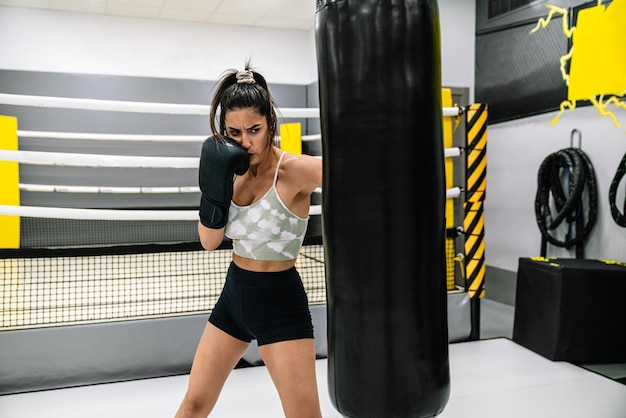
(580, 138)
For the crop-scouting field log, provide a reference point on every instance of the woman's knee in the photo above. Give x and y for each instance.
(192, 407)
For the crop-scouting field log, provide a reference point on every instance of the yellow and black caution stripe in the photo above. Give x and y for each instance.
(9, 184)
(475, 191)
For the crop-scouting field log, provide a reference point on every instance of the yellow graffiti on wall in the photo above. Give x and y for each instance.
(597, 61)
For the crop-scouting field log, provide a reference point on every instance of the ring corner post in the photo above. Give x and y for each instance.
(9, 184)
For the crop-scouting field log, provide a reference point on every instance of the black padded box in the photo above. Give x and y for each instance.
(571, 309)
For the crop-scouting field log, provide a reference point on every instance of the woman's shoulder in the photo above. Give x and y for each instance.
(298, 162)
(303, 168)
(300, 158)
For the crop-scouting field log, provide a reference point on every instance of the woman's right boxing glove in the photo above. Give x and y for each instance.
(219, 162)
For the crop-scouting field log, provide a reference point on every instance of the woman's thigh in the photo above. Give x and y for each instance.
(216, 356)
(291, 365)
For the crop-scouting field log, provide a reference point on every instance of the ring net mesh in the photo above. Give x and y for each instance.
(120, 270)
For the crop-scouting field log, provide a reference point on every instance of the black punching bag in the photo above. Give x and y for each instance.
(379, 64)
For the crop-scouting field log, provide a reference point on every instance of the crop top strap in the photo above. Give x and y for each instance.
(277, 167)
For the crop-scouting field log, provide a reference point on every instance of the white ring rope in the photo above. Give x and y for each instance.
(106, 105)
(111, 137)
(110, 214)
(452, 152)
(128, 137)
(453, 192)
(99, 214)
(132, 215)
(96, 160)
(51, 188)
(116, 161)
(451, 111)
(145, 107)
(136, 107)
(314, 137)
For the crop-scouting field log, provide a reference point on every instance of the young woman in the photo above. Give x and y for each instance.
(265, 211)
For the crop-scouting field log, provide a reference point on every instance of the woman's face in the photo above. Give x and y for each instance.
(249, 128)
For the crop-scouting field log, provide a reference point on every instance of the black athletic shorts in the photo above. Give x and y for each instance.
(269, 307)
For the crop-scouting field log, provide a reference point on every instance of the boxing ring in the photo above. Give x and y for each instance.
(101, 264)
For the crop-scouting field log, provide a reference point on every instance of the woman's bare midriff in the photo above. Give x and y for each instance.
(262, 265)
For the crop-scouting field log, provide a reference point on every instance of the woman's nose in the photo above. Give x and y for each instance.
(245, 141)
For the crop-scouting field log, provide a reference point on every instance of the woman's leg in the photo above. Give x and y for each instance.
(291, 365)
(216, 356)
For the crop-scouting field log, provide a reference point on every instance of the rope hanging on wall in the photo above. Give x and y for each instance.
(572, 168)
(620, 218)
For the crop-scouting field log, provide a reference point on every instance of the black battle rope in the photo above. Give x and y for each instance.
(620, 218)
(572, 167)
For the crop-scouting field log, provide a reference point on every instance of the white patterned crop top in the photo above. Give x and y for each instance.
(266, 229)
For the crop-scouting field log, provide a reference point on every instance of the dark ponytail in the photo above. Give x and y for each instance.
(242, 90)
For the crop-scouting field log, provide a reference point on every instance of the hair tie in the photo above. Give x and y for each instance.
(245, 77)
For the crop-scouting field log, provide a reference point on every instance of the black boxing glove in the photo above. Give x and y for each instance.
(219, 162)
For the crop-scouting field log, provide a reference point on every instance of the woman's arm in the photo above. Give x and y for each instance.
(210, 238)
(309, 173)
(303, 174)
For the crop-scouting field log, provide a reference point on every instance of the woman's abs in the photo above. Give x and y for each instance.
(262, 265)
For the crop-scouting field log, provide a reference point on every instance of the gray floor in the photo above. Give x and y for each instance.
(490, 378)
(496, 320)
